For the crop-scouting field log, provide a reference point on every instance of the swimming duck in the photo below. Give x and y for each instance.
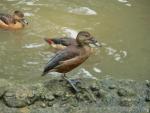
(72, 56)
(61, 43)
(12, 22)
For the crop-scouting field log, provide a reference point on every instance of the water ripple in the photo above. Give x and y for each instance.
(126, 2)
(33, 45)
(85, 74)
(117, 55)
(82, 11)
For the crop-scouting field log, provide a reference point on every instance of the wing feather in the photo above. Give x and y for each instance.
(59, 57)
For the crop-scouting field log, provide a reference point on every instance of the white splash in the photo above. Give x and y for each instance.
(117, 57)
(32, 63)
(82, 11)
(28, 14)
(84, 73)
(126, 2)
(11, 0)
(70, 32)
(32, 3)
(103, 44)
(116, 54)
(33, 45)
(128, 5)
(110, 51)
(97, 70)
(123, 1)
(29, 3)
(124, 53)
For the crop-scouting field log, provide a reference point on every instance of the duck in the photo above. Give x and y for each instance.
(72, 56)
(12, 22)
(60, 43)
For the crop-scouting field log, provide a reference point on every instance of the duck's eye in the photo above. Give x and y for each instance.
(86, 35)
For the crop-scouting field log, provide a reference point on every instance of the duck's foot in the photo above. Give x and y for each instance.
(75, 81)
(72, 83)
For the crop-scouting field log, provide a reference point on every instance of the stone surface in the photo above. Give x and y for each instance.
(57, 96)
(19, 97)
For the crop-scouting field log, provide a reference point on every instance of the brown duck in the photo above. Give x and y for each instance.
(12, 22)
(72, 56)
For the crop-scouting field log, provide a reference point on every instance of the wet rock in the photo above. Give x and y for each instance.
(108, 83)
(19, 97)
(110, 99)
(38, 90)
(94, 87)
(50, 104)
(43, 105)
(126, 102)
(126, 92)
(48, 96)
(3, 86)
(112, 87)
(148, 83)
(101, 93)
(57, 96)
(2, 91)
(122, 92)
(24, 110)
(147, 95)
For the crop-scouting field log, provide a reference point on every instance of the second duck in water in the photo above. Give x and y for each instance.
(12, 22)
(61, 43)
(72, 56)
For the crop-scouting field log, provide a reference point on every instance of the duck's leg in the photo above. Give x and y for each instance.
(71, 83)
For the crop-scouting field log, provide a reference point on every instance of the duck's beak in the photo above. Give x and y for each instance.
(25, 22)
(94, 43)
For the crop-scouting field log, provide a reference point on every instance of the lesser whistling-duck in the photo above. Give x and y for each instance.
(61, 43)
(12, 22)
(72, 56)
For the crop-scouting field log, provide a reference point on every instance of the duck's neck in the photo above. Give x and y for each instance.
(86, 51)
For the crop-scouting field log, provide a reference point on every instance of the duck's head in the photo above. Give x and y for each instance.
(85, 38)
(19, 16)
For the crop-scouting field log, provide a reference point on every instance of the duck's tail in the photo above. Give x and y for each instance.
(49, 40)
(44, 73)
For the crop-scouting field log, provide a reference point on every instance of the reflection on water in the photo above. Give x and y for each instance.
(122, 26)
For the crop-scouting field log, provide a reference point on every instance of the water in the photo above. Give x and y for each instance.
(121, 25)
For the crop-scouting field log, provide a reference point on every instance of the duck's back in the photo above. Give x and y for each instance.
(66, 41)
(6, 18)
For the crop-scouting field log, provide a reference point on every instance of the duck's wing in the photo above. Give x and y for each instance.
(65, 41)
(60, 56)
(6, 18)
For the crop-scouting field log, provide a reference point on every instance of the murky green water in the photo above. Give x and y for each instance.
(123, 27)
